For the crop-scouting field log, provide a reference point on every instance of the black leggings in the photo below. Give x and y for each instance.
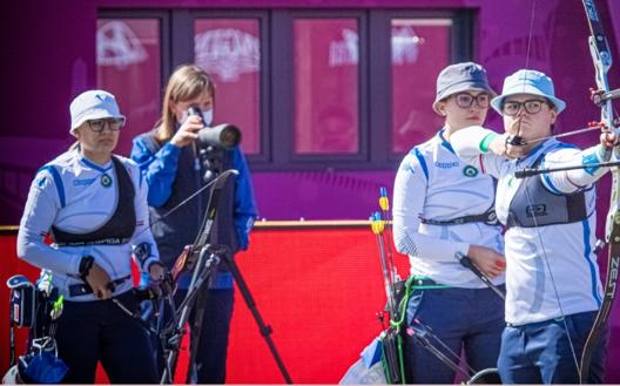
(99, 330)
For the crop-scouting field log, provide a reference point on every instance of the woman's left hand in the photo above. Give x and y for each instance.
(99, 281)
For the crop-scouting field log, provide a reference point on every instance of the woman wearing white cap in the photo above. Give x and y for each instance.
(92, 204)
(552, 279)
(443, 210)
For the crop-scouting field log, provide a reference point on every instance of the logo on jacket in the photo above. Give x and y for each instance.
(536, 210)
(470, 171)
(106, 181)
(84, 181)
(446, 165)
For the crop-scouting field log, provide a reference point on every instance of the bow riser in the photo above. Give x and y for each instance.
(602, 63)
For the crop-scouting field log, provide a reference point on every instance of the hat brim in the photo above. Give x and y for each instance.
(474, 86)
(497, 102)
(94, 114)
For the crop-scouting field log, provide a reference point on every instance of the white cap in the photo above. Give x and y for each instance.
(93, 104)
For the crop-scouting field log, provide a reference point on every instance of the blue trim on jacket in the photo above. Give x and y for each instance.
(420, 158)
(60, 188)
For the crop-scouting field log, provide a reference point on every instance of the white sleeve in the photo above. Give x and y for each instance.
(570, 181)
(142, 235)
(41, 208)
(410, 189)
(471, 145)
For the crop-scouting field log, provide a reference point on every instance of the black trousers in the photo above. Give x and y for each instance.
(213, 343)
(100, 331)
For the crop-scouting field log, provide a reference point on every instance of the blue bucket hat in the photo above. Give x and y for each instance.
(461, 77)
(93, 104)
(528, 82)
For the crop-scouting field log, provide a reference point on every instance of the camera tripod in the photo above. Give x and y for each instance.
(209, 258)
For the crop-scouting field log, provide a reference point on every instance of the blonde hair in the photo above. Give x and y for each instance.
(187, 82)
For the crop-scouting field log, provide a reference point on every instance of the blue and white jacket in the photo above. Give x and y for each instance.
(546, 257)
(77, 196)
(432, 183)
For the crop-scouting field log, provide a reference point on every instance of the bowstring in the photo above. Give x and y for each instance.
(534, 217)
(553, 283)
(188, 199)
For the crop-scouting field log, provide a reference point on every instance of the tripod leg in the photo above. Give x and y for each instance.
(265, 330)
(199, 280)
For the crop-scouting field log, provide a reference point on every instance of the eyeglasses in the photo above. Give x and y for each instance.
(113, 124)
(465, 100)
(531, 106)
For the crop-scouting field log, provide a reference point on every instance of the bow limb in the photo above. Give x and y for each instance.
(601, 57)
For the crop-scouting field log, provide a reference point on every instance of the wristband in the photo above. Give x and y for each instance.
(85, 265)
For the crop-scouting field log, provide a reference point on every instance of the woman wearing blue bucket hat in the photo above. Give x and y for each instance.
(552, 278)
(443, 210)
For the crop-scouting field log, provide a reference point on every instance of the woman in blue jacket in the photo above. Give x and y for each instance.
(176, 164)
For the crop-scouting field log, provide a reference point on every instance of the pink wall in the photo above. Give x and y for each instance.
(49, 51)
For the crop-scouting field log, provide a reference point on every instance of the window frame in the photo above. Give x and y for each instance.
(277, 152)
(286, 129)
(165, 26)
(461, 49)
(265, 145)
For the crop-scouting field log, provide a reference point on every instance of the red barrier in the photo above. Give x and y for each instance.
(318, 289)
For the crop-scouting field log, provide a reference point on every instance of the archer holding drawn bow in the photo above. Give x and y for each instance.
(553, 291)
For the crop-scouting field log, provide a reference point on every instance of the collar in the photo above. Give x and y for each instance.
(101, 168)
(443, 142)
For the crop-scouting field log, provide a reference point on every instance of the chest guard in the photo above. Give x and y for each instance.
(533, 205)
(121, 225)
